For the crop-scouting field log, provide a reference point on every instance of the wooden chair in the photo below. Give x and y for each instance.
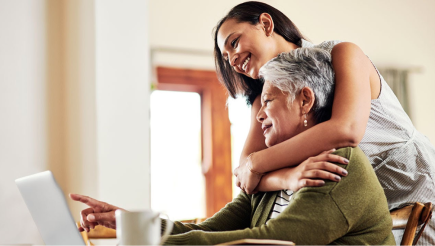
(409, 218)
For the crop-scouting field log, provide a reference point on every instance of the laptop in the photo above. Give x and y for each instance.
(49, 209)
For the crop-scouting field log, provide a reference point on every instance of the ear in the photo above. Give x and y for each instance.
(266, 22)
(307, 99)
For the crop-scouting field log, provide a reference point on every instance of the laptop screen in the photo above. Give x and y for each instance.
(49, 209)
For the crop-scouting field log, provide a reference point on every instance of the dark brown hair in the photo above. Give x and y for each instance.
(250, 12)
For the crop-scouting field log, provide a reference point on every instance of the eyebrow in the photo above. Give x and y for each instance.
(265, 94)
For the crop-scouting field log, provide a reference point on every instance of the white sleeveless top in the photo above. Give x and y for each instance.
(402, 158)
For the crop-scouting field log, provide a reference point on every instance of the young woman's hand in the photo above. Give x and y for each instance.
(314, 171)
(246, 179)
(311, 172)
(98, 213)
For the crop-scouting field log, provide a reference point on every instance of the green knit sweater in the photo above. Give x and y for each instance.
(353, 211)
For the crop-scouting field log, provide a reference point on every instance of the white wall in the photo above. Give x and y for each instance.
(122, 80)
(392, 33)
(23, 132)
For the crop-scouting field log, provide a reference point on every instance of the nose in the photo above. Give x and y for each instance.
(233, 59)
(261, 115)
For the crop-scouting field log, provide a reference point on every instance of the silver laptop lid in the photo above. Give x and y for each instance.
(46, 202)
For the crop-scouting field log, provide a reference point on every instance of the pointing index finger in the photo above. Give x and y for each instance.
(85, 199)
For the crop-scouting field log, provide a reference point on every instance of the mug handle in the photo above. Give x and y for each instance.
(168, 229)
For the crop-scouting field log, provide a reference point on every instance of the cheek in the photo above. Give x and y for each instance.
(260, 51)
(287, 128)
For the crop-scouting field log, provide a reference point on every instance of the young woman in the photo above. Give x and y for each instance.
(365, 112)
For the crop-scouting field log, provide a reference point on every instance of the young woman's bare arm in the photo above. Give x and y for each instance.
(312, 172)
(356, 84)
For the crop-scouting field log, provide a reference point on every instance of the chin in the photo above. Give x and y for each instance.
(269, 143)
(253, 74)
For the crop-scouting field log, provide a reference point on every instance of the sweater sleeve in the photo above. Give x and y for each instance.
(235, 215)
(310, 218)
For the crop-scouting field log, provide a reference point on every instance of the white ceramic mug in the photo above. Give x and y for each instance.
(140, 228)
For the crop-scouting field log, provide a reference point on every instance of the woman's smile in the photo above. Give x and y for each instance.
(245, 64)
(266, 128)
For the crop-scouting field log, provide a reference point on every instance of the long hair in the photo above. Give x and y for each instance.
(250, 12)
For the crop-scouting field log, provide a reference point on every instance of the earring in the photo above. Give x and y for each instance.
(305, 121)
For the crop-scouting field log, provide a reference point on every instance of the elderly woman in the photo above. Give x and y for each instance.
(297, 95)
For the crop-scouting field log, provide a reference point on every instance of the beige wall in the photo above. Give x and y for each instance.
(74, 82)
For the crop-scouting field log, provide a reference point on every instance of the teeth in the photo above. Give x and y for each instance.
(245, 63)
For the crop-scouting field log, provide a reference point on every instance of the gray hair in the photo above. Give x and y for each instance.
(304, 67)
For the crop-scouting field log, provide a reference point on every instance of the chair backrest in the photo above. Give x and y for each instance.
(409, 218)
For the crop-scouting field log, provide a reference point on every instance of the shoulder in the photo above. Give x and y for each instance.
(358, 164)
(349, 59)
(360, 171)
(354, 154)
(328, 45)
(340, 50)
(350, 153)
(347, 49)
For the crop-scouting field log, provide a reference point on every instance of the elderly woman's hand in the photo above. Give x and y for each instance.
(98, 213)
(313, 171)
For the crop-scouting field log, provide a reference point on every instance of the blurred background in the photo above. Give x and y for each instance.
(119, 99)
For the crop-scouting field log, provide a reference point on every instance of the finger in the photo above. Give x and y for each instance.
(310, 183)
(108, 217)
(321, 174)
(109, 225)
(328, 151)
(85, 224)
(330, 158)
(327, 166)
(238, 183)
(236, 171)
(86, 200)
(92, 225)
(81, 229)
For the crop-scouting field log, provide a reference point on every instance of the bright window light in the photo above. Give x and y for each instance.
(240, 115)
(177, 182)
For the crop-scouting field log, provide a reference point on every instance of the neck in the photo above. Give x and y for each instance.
(284, 46)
